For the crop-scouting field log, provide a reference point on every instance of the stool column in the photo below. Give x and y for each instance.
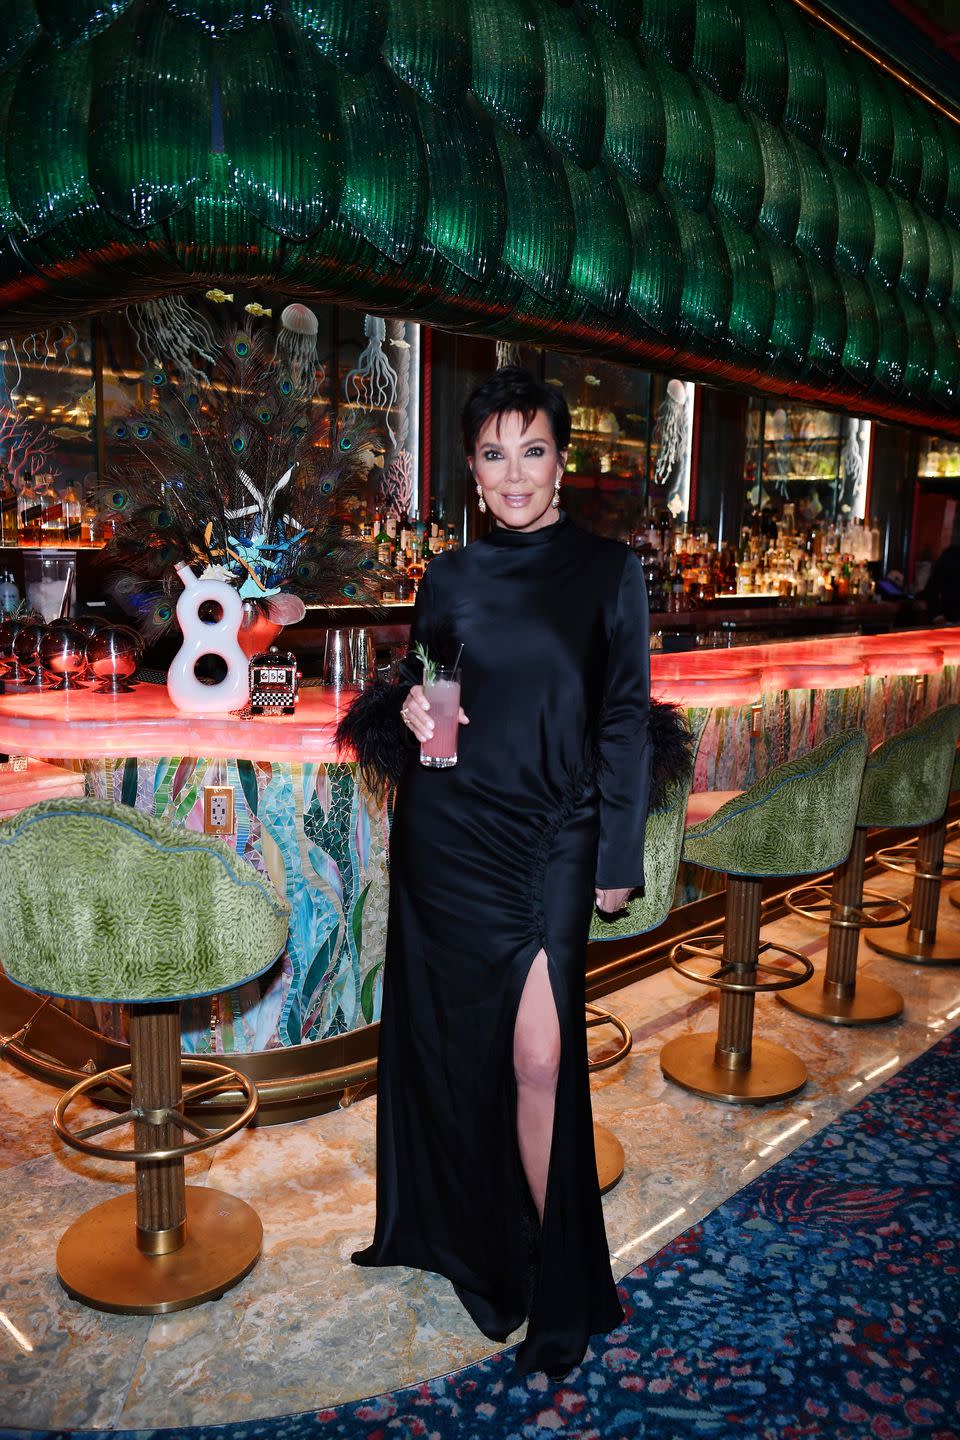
(842, 996)
(846, 896)
(157, 1085)
(741, 941)
(931, 840)
(919, 944)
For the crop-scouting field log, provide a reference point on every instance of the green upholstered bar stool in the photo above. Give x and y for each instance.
(799, 819)
(662, 845)
(922, 858)
(100, 902)
(902, 788)
(954, 896)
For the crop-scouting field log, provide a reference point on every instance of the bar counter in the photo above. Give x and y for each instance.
(304, 817)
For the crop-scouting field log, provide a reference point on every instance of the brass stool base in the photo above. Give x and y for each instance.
(99, 1263)
(773, 1074)
(871, 1002)
(906, 946)
(610, 1160)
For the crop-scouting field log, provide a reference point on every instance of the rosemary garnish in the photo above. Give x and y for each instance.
(429, 666)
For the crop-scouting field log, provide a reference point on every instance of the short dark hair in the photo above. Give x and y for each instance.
(514, 391)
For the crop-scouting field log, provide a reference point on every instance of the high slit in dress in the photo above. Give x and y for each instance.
(490, 862)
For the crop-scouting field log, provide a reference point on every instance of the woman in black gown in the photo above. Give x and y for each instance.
(485, 1157)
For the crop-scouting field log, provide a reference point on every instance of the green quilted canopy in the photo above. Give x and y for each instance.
(720, 187)
(101, 902)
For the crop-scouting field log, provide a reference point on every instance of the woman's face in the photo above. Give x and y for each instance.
(518, 469)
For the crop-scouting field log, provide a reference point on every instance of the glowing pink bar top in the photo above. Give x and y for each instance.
(813, 675)
(78, 725)
(890, 662)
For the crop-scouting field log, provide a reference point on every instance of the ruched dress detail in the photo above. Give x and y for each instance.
(490, 862)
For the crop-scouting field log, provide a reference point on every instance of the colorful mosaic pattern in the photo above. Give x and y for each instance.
(322, 840)
(796, 721)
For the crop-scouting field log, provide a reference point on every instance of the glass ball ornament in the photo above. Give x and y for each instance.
(113, 655)
(27, 668)
(63, 651)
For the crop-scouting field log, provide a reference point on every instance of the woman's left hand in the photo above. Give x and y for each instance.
(611, 901)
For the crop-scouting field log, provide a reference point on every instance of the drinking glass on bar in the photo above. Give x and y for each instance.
(443, 696)
(363, 657)
(336, 659)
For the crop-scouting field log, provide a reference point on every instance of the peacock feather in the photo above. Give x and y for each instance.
(244, 475)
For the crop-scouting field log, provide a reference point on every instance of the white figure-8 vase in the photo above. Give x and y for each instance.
(208, 637)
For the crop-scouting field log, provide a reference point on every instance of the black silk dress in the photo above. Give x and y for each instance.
(489, 862)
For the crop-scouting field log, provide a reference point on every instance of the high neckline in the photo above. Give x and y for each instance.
(503, 535)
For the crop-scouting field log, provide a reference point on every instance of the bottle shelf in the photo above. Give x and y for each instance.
(51, 547)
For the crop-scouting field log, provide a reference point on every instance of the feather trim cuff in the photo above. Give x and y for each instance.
(373, 730)
(671, 750)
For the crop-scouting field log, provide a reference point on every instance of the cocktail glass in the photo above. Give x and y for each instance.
(443, 696)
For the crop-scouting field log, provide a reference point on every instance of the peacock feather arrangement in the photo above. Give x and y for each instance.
(245, 476)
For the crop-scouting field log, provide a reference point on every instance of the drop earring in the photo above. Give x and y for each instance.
(555, 502)
(481, 503)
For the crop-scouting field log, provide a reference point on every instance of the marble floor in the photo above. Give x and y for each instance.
(306, 1328)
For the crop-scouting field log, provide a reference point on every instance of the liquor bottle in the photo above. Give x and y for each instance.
(8, 507)
(51, 519)
(404, 583)
(403, 532)
(89, 518)
(9, 594)
(678, 599)
(29, 510)
(421, 559)
(71, 515)
(384, 544)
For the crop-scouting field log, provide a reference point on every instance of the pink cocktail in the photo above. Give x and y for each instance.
(443, 696)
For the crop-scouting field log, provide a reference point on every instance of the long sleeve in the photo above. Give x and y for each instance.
(624, 742)
(372, 728)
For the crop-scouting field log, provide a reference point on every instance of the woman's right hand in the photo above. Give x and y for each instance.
(415, 714)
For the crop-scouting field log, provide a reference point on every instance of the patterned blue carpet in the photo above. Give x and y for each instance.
(823, 1300)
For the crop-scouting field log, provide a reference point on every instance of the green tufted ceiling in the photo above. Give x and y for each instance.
(718, 186)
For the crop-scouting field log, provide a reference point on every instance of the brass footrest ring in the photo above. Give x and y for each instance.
(596, 1015)
(883, 857)
(735, 987)
(222, 1077)
(846, 917)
